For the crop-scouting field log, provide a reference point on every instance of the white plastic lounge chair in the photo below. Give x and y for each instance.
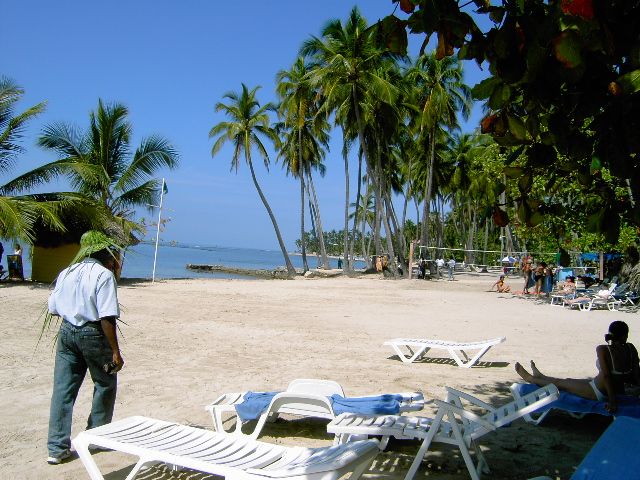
(453, 424)
(303, 397)
(614, 455)
(417, 349)
(533, 417)
(156, 441)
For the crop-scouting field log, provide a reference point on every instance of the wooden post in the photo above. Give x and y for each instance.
(411, 246)
(601, 266)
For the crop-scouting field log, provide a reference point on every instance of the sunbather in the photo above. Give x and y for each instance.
(617, 364)
(500, 286)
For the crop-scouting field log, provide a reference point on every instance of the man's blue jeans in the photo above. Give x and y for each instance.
(79, 349)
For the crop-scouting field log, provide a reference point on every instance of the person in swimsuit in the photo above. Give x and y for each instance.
(617, 363)
(500, 286)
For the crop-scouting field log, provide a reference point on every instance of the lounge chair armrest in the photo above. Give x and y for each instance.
(225, 399)
(465, 414)
(453, 394)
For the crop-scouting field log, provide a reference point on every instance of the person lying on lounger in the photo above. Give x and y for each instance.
(617, 365)
(500, 286)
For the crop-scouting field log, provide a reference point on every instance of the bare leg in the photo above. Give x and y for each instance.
(577, 386)
(535, 371)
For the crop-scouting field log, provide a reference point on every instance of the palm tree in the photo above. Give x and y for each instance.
(99, 165)
(347, 74)
(306, 140)
(440, 95)
(248, 121)
(18, 214)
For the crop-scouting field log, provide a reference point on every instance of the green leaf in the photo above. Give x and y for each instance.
(567, 50)
(513, 172)
(596, 165)
(536, 218)
(524, 182)
(485, 88)
(630, 82)
(513, 156)
(496, 14)
(517, 128)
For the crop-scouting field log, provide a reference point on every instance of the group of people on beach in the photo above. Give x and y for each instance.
(537, 276)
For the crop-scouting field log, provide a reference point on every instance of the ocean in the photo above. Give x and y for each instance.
(172, 260)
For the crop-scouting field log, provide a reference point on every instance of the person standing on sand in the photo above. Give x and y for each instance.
(85, 296)
(451, 264)
(526, 273)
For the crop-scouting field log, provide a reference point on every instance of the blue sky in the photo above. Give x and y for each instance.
(169, 62)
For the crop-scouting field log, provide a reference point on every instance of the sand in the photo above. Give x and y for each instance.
(187, 341)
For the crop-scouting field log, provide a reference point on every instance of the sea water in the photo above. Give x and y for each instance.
(172, 261)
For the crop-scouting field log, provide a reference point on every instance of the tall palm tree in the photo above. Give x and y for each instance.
(248, 122)
(347, 75)
(100, 166)
(306, 139)
(440, 96)
(19, 213)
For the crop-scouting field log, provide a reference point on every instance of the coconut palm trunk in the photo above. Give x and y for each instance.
(318, 221)
(291, 271)
(303, 247)
(358, 204)
(345, 238)
(428, 191)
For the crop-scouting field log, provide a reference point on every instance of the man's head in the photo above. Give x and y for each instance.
(97, 245)
(105, 257)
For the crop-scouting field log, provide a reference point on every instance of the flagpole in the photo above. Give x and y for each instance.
(155, 255)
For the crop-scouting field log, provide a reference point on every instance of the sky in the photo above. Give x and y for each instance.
(170, 62)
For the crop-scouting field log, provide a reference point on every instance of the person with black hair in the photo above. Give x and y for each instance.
(85, 297)
(617, 363)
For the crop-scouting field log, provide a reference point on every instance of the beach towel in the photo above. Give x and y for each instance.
(256, 403)
(253, 404)
(628, 406)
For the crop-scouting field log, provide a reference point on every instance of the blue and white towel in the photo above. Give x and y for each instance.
(256, 403)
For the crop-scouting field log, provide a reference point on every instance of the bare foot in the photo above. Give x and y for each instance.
(523, 373)
(535, 371)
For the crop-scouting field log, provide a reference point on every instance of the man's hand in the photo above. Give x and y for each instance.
(610, 407)
(118, 361)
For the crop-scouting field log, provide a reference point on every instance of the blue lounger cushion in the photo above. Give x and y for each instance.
(628, 406)
(256, 403)
(614, 455)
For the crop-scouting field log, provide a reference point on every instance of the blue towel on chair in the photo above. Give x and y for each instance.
(253, 404)
(628, 406)
(388, 404)
(256, 403)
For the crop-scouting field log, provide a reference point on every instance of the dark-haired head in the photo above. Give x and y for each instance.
(618, 332)
(105, 257)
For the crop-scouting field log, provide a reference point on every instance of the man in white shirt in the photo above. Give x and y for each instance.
(85, 297)
(452, 265)
(440, 266)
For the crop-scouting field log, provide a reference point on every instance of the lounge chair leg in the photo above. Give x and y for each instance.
(82, 449)
(143, 462)
(462, 445)
(433, 429)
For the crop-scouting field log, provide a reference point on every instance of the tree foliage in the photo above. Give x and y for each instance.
(563, 93)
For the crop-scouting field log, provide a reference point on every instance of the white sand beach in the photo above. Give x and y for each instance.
(187, 341)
